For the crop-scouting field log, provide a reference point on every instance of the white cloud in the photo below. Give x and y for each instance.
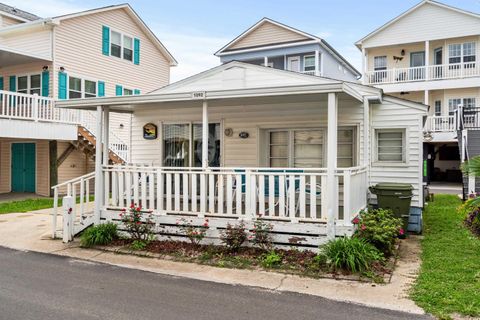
(46, 8)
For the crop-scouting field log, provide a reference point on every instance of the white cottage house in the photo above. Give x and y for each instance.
(240, 140)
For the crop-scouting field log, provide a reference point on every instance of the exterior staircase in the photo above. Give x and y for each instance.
(87, 143)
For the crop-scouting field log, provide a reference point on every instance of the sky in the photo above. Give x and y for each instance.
(193, 30)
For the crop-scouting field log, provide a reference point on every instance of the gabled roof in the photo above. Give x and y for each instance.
(17, 13)
(302, 37)
(409, 11)
(134, 16)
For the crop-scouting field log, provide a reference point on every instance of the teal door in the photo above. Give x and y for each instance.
(23, 167)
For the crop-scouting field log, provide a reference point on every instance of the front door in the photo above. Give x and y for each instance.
(293, 64)
(438, 61)
(417, 63)
(23, 167)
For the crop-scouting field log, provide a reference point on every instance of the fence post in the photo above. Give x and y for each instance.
(248, 191)
(35, 107)
(55, 213)
(68, 230)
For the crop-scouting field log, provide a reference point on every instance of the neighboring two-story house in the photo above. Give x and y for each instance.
(273, 44)
(429, 54)
(101, 52)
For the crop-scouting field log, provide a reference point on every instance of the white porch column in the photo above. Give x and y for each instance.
(426, 98)
(98, 167)
(317, 62)
(364, 66)
(366, 132)
(106, 143)
(332, 189)
(205, 135)
(265, 61)
(427, 59)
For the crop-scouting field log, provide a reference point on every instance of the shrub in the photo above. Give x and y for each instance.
(261, 235)
(271, 260)
(138, 245)
(350, 254)
(101, 234)
(380, 228)
(472, 221)
(234, 236)
(194, 233)
(138, 223)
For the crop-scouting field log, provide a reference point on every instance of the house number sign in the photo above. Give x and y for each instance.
(150, 131)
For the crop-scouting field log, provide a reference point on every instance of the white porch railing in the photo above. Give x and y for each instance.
(15, 105)
(81, 215)
(441, 124)
(432, 72)
(288, 194)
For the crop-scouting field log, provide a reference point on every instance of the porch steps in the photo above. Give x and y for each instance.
(87, 143)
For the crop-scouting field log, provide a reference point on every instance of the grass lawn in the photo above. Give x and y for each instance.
(449, 280)
(30, 205)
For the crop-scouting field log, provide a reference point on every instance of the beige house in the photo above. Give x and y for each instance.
(102, 52)
(429, 54)
(241, 139)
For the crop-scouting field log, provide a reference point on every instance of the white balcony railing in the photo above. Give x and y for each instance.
(441, 124)
(432, 72)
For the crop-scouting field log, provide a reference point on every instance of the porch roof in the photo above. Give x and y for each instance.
(11, 57)
(234, 82)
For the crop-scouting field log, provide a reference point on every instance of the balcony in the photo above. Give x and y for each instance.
(424, 73)
(441, 124)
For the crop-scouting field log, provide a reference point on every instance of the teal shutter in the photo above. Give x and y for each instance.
(136, 51)
(45, 83)
(13, 83)
(62, 85)
(101, 89)
(1, 83)
(118, 90)
(106, 40)
(136, 92)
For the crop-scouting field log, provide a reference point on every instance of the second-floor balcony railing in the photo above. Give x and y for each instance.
(424, 73)
(441, 124)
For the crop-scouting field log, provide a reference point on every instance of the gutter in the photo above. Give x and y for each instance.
(28, 26)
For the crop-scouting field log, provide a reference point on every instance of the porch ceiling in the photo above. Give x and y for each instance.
(10, 57)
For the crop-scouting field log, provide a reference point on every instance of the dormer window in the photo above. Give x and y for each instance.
(309, 63)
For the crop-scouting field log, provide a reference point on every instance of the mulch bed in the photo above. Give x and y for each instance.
(292, 261)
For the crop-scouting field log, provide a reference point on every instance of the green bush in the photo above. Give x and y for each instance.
(138, 245)
(380, 228)
(271, 260)
(234, 236)
(350, 254)
(101, 234)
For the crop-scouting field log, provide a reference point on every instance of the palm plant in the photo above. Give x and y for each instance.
(472, 167)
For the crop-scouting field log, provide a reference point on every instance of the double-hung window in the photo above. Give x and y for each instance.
(462, 53)
(127, 48)
(438, 108)
(390, 145)
(309, 63)
(31, 84)
(466, 103)
(81, 88)
(116, 44)
(469, 54)
(127, 92)
(380, 63)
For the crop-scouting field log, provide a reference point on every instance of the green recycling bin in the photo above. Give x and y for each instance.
(396, 197)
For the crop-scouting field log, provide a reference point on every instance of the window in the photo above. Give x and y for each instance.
(309, 63)
(465, 103)
(305, 148)
(469, 103)
(390, 145)
(74, 88)
(179, 151)
(380, 63)
(116, 44)
(127, 48)
(30, 84)
(466, 53)
(81, 88)
(121, 45)
(438, 108)
(127, 92)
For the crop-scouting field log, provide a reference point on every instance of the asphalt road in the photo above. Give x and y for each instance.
(41, 286)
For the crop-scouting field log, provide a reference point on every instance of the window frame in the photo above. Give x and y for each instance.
(29, 83)
(82, 85)
(437, 103)
(122, 45)
(375, 68)
(461, 55)
(314, 63)
(404, 160)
